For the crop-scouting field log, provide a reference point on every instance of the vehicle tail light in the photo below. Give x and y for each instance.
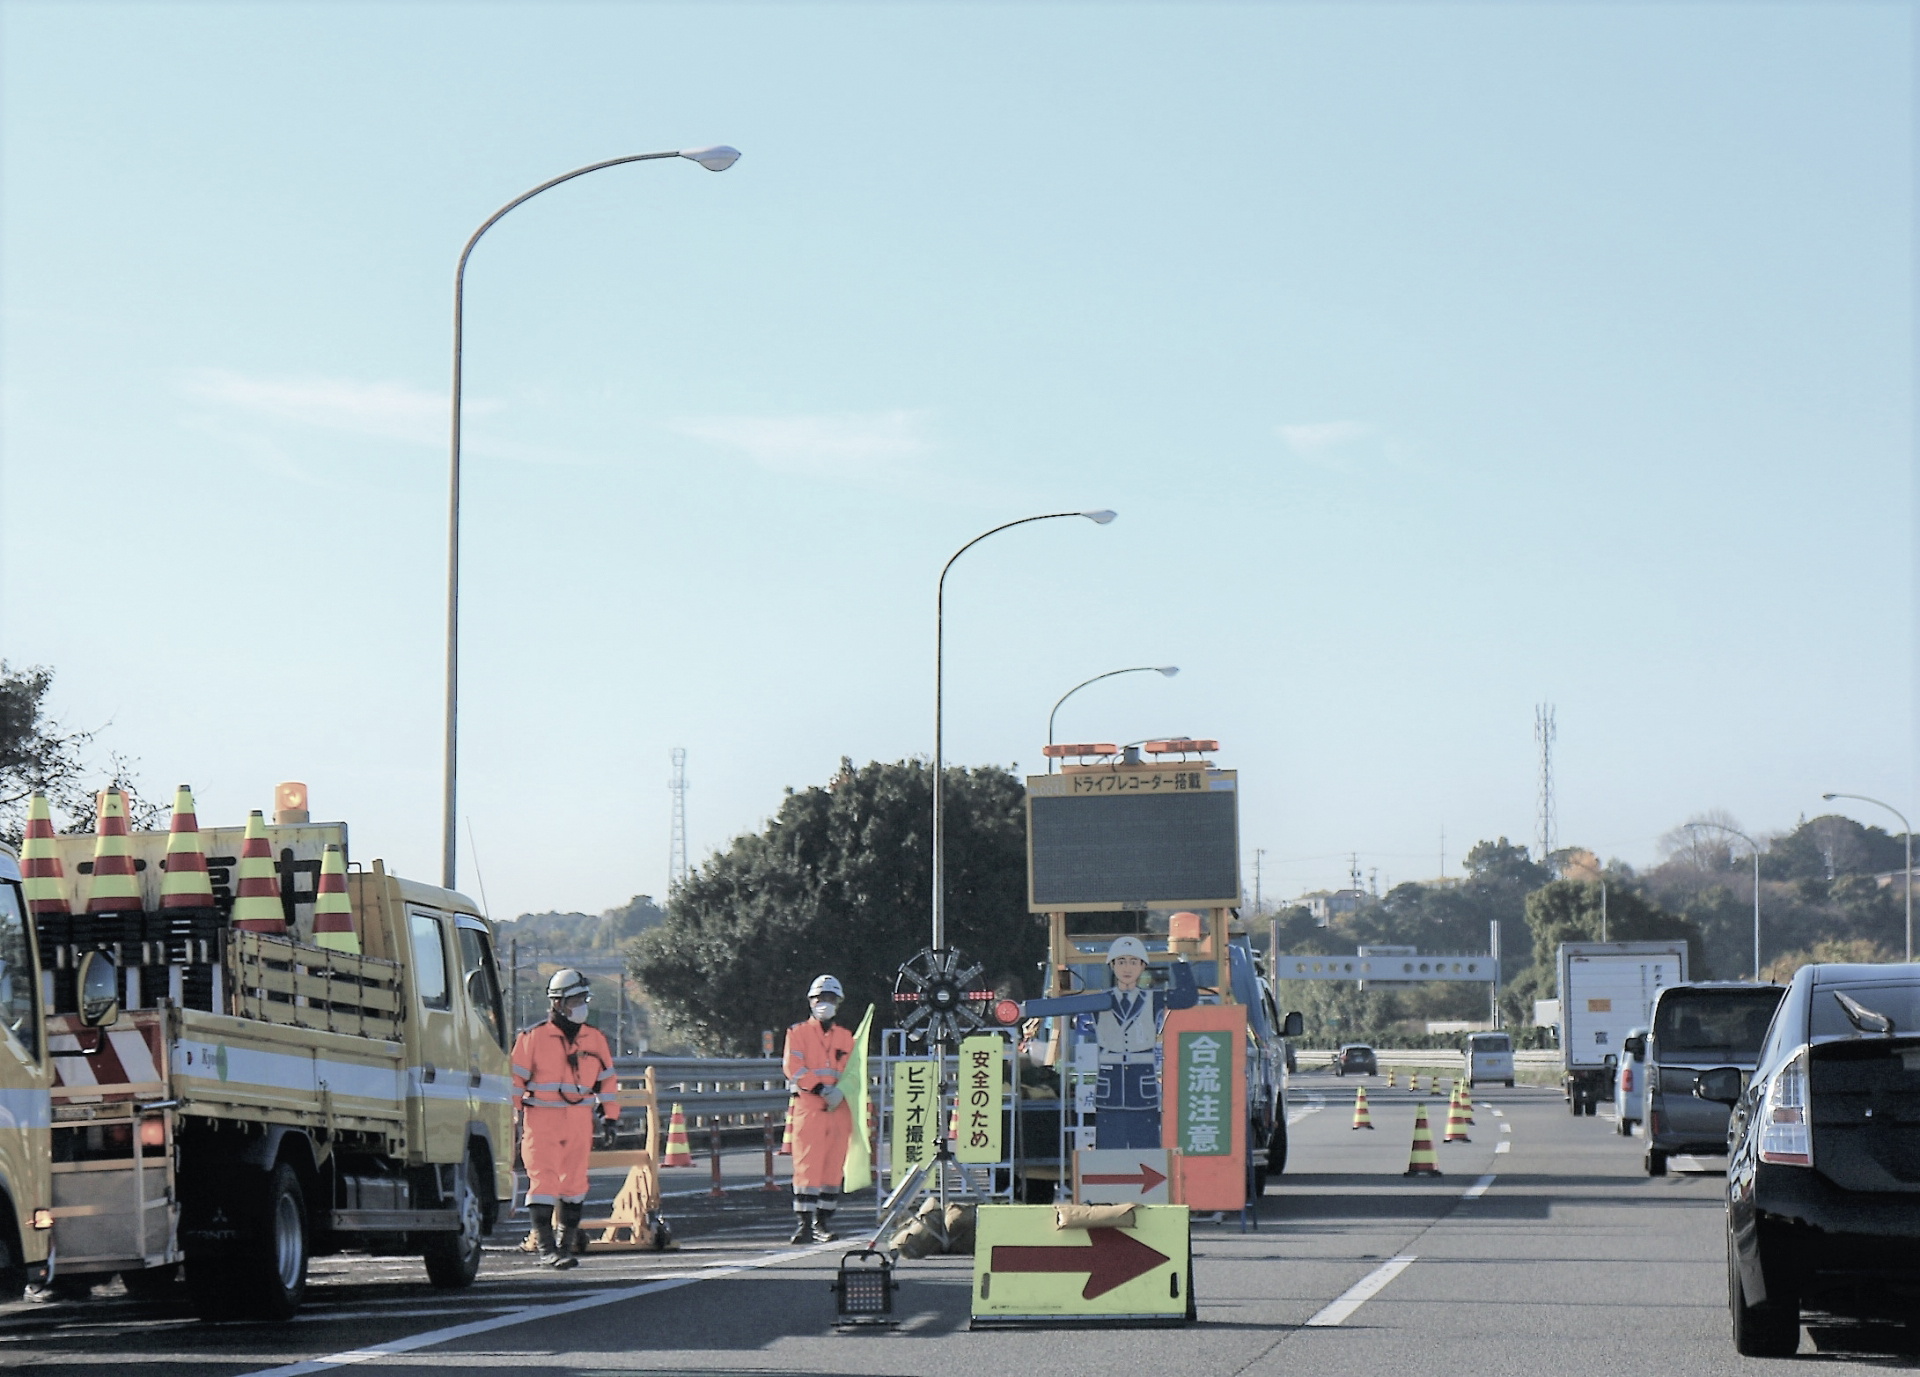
(1626, 1079)
(1783, 1116)
(153, 1132)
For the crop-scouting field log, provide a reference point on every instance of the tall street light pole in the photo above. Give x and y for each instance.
(1168, 670)
(716, 159)
(1099, 518)
(1909, 831)
(1755, 848)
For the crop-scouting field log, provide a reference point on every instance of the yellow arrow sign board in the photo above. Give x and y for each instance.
(1024, 1268)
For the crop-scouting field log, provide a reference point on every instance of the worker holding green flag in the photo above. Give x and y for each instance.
(826, 1070)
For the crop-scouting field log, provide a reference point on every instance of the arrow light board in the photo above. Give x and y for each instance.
(1132, 837)
(1025, 1269)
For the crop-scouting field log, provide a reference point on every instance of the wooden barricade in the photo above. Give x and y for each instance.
(634, 1222)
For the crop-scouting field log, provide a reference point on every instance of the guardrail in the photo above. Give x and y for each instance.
(1441, 1057)
(711, 1088)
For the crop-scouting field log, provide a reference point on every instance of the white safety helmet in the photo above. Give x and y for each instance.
(828, 986)
(567, 985)
(1127, 946)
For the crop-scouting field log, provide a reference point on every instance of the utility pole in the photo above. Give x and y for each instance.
(677, 839)
(1493, 948)
(1353, 872)
(1543, 736)
(1258, 852)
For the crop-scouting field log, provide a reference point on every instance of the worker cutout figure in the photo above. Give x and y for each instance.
(816, 1053)
(565, 1091)
(1124, 1022)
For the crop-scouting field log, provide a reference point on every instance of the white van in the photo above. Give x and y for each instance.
(1489, 1058)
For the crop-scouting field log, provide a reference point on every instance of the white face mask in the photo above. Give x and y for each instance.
(576, 1013)
(823, 1009)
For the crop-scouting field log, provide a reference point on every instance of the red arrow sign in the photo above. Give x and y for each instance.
(1146, 1178)
(1113, 1259)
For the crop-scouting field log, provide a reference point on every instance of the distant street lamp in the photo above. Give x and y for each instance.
(1755, 847)
(1168, 670)
(716, 159)
(1099, 518)
(1909, 832)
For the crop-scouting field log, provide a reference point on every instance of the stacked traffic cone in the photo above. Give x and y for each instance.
(41, 874)
(786, 1135)
(1361, 1117)
(1389, 1078)
(114, 889)
(1413, 1082)
(678, 1153)
(1456, 1122)
(1465, 1097)
(332, 914)
(1422, 1162)
(256, 889)
(184, 883)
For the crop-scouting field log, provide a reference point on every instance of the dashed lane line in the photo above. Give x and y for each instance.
(1362, 1291)
(1504, 1145)
(1479, 1188)
(1315, 1103)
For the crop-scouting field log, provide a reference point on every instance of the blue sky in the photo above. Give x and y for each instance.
(1439, 359)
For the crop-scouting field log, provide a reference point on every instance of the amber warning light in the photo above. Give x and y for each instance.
(1181, 745)
(1065, 749)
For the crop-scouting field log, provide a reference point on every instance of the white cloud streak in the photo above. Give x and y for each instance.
(1346, 446)
(845, 446)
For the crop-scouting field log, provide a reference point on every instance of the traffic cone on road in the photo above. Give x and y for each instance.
(1413, 1082)
(1456, 1122)
(114, 888)
(256, 889)
(678, 1153)
(786, 1136)
(1361, 1117)
(1389, 1078)
(332, 914)
(1465, 1097)
(41, 874)
(1422, 1162)
(185, 883)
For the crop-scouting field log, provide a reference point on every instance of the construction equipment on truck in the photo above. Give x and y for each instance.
(262, 1054)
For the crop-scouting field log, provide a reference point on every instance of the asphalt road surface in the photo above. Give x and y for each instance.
(1542, 1250)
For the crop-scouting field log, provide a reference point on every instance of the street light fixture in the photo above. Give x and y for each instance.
(1755, 847)
(1168, 670)
(1098, 518)
(715, 159)
(1909, 833)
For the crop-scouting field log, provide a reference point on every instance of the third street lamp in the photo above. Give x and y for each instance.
(1168, 670)
(1754, 847)
(715, 159)
(1099, 518)
(1909, 829)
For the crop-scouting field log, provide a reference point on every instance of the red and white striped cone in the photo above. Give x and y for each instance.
(115, 888)
(41, 874)
(679, 1153)
(185, 883)
(256, 889)
(332, 914)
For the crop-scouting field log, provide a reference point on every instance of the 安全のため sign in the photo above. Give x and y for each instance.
(978, 1103)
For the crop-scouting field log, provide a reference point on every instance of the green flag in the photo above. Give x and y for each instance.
(853, 1084)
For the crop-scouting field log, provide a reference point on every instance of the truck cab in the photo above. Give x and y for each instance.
(25, 1223)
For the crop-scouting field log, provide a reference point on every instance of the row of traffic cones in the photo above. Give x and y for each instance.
(1422, 1161)
(184, 882)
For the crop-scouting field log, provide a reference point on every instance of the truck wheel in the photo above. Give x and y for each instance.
(1761, 1331)
(275, 1275)
(1656, 1163)
(1277, 1145)
(453, 1260)
(1509, 1082)
(13, 1271)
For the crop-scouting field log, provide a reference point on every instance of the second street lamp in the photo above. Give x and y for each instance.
(1909, 832)
(1755, 848)
(715, 159)
(1099, 518)
(1168, 670)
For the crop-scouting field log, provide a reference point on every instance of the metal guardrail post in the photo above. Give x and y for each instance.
(713, 1143)
(766, 1136)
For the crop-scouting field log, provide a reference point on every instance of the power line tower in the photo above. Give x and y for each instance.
(677, 843)
(1545, 826)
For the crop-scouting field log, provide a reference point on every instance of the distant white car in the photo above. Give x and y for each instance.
(1630, 1083)
(1489, 1058)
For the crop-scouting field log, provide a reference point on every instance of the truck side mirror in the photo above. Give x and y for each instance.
(99, 984)
(1294, 1027)
(1635, 1048)
(1720, 1085)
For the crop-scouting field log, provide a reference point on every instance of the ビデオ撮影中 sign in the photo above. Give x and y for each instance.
(916, 1113)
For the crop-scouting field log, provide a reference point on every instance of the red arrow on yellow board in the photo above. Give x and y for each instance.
(1111, 1259)
(1146, 1178)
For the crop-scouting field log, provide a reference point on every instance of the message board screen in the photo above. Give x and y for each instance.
(1129, 839)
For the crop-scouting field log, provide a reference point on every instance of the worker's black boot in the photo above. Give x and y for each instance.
(820, 1233)
(543, 1232)
(802, 1227)
(570, 1211)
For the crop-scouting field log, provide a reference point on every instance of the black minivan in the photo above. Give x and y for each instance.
(1696, 1028)
(1823, 1181)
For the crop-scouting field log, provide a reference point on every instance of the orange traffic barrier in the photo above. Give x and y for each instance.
(1362, 1118)
(114, 888)
(185, 883)
(332, 913)
(256, 889)
(679, 1153)
(1456, 1123)
(1422, 1161)
(42, 876)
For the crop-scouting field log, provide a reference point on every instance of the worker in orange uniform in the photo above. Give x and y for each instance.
(562, 1075)
(816, 1053)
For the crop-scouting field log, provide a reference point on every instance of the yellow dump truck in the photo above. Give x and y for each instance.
(234, 1102)
(26, 1222)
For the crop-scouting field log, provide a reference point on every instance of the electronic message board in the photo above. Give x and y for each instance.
(1162, 836)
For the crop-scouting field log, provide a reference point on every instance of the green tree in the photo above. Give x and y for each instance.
(37, 752)
(1570, 911)
(839, 882)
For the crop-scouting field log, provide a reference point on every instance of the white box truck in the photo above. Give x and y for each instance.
(1606, 991)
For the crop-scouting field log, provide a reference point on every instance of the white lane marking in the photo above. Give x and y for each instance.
(1504, 1145)
(1506, 1128)
(1360, 1292)
(1479, 1188)
(528, 1315)
(1499, 1113)
(1315, 1103)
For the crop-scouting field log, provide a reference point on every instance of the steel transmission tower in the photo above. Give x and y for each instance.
(1546, 827)
(677, 844)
